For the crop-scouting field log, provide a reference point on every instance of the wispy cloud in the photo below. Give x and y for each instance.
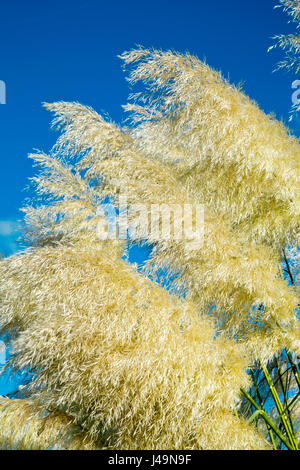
(9, 233)
(7, 227)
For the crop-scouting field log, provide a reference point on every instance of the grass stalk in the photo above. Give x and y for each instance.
(281, 411)
(268, 420)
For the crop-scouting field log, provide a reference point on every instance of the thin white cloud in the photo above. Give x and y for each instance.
(7, 227)
(9, 232)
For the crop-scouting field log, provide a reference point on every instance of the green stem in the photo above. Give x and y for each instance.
(263, 408)
(279, 407)
(268, 420)
(285, 397)
(294, 368)
(294, 399)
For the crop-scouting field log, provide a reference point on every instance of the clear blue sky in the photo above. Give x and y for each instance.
(67, 50)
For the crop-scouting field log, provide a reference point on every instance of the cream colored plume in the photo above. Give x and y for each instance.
(27, 426)
(135, 367)
(229, 271)
(127, 363)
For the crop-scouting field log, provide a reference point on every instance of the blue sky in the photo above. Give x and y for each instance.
(67, 50)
